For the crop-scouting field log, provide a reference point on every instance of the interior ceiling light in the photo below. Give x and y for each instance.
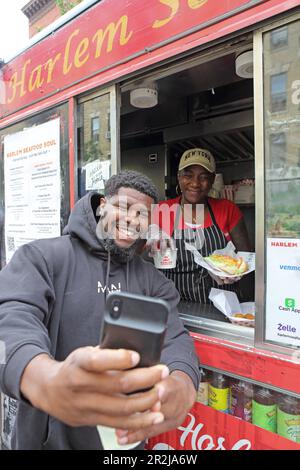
(144, 96)
(244, 65)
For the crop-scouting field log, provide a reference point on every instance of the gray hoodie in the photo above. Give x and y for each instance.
(52, 296)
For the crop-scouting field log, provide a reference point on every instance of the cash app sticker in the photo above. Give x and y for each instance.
(290, 303)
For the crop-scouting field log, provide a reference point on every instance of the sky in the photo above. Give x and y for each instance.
(13, 27)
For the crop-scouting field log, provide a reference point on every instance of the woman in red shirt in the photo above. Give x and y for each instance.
(200, 220)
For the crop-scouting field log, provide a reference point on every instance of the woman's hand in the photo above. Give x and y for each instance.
(157, 239)
(224, 280)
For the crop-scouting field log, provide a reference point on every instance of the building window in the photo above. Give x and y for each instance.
(95, 128)
(279, 38)
(278, 92)
(278, 150)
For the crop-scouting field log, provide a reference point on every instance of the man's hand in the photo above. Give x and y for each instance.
(177, 395)
(91, 387)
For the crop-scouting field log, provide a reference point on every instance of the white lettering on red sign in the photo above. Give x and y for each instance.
(204, 441)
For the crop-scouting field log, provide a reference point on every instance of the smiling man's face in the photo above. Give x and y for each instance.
(126, 216)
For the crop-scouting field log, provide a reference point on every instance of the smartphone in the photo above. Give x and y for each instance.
(135, 322)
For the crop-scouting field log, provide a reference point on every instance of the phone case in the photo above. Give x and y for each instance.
(137, 323)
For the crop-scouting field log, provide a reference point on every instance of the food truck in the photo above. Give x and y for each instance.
(114, 85)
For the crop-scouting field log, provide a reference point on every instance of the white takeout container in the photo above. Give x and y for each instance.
(167, 260)
(227, 302)
(109, 439)
(246, 307)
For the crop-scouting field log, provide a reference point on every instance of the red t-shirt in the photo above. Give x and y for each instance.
(226, 213)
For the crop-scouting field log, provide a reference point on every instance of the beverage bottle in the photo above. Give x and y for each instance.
(219, 392)
(264, 409)
(241, 400)
(288, 418)
(202, 394)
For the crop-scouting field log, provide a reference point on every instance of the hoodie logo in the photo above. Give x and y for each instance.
(113, 288)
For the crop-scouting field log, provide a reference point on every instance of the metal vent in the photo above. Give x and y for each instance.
(231, 147)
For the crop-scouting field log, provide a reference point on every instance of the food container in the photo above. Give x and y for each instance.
(227, 302)
(229, 250)
(167, 260)
(228, 192)
(246, 308)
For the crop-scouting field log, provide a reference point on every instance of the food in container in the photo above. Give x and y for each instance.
(246, 317)
(227, 263)
(242, 314)
(240, 260)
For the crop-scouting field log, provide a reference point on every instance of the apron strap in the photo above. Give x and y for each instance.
(212, 216)
(177, 215)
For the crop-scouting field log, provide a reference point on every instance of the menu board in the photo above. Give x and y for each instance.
(32, 185)
(283, 291)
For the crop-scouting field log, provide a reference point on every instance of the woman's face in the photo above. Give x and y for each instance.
(195, 183)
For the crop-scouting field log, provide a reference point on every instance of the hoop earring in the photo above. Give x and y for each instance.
(178, 190)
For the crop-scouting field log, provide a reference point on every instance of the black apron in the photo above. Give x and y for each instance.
(191, 280)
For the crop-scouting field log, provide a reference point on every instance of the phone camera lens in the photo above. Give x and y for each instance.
(116, 309)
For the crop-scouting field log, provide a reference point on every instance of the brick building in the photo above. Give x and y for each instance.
(41, 13)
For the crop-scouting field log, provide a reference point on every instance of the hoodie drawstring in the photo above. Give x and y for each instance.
(108, 273)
